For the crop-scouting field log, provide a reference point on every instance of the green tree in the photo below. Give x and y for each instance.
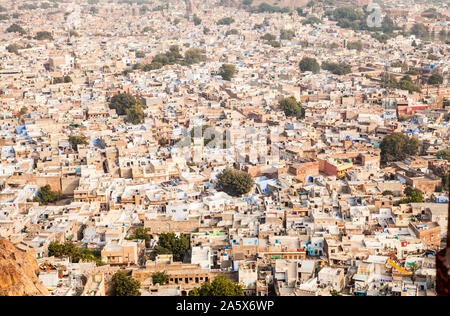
(234, 182)
(420, 30)
(337, 68)
(23, 110)
(140, 54)
(174, 54)
(93, 10)
(312, 20)
(221, 286)
(227, 71)
(123, 285)
(387, 192)
(123, 101)
(193, 56)
(446, 103)
(445, 180)
(412, 72)
(135, 114)
(413, 196)
(287, 34)
(58, 250)
(443, 154)
(335, 293)
(16, 28)
(69, 249)
(43, 35)
(309, 64)
(74, 33)
(77, 140)
(225, 21)
(197, 20)
(265, 7)
(46, 196)
(406, 83)
(413, 267)
(160, 278)
(275, 44)
(141, 233)
(13, 49)
(232, 32)
(355, 45)
(171, 244)
(291, 107)
(398, 146)
(269, 37)
(148, 29)
(435, 79)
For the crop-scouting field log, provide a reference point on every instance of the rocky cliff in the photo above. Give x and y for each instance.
(18, 272)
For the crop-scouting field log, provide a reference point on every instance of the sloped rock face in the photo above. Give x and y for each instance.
(18, 272)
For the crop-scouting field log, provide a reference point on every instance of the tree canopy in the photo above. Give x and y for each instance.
(291, 107)
(265, 7)
(225, 21)
(221, 286)
(227, 71)
(405, 83)
(355, 45)
(127, 104)
(398, 146)
(287, 34)
(46, 196)
(446, 103)
(135, 114)
(420, 30)
(197, 20)
(435, 79)
(43, 35)
(234, 182)
(171, 57)
(443, 154)
(312, 20)
(160, 278)
(123, 285)
(16, 28)
(337, 68)
(77, 140)
(309, 64)
(171, 244)
(193, 56)
(268, 37)
(413, 196)
(142, 234)
(68, 249)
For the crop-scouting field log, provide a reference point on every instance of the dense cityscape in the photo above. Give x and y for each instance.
(224, 148)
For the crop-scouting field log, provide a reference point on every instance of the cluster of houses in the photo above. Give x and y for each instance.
(323, 216)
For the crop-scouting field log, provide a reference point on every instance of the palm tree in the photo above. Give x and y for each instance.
(413, 267)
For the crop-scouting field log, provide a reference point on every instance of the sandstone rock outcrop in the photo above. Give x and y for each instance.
(18, 272)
